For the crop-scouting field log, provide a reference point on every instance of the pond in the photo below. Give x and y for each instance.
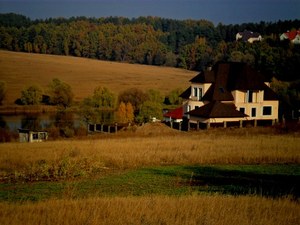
(41, 121)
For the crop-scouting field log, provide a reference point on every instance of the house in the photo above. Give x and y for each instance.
(248, 36)
(26, 135)
(230, 92)
(292, 36)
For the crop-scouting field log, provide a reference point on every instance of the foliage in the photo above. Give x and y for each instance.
(103, 98)
(191, 44)
(31, 95)
(125, 113)
(173, 97)
(60, 93)
(154, 96)
(149, 110)
(135, 96)
(3, 89)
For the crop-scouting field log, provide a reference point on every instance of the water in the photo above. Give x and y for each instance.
(41, 121)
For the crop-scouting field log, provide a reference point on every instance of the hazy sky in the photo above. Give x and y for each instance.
(224, 11)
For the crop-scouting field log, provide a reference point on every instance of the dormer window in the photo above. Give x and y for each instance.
(197, 93)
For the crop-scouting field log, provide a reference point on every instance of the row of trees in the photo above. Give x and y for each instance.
(187, 44)
(131, 105)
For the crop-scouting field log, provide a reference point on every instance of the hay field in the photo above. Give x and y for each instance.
(19, 70)
(159, 146)
(156, 210)
(143, 149)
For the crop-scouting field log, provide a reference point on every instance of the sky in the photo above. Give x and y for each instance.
(216, 11)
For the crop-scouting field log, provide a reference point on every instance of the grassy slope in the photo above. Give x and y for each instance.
(22, 69)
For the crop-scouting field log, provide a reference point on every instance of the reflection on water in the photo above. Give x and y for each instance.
(42, 121)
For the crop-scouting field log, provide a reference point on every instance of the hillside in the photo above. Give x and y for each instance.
(19, 70)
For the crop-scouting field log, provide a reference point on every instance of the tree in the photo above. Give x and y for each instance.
(154, 96)
(31, 95)
(103, 98)
(125, 113)
(135, 96)
(174, 98)
(2, 91)
(60, 93)
(149, 110)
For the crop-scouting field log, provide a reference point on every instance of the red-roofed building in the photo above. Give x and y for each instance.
(293, 36)
(174, 115)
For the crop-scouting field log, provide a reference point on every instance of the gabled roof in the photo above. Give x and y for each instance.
(246, 35)
(175, 114)
(269, 94)
(216, 109)
(186, 94)
(217, 93)
(204, 77)
(291, 35)
(227, 77)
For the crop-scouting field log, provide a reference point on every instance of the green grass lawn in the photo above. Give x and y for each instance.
(263, 180)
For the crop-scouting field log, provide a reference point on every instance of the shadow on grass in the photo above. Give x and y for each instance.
(268, 180)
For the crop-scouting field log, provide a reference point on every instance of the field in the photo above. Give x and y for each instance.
(19, 70)
(154, 175)
(146, 175)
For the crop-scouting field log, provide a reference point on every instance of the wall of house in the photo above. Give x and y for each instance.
(195, 101)
(267, 110)
(243, 96)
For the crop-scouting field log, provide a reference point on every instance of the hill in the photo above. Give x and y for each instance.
(19, 70)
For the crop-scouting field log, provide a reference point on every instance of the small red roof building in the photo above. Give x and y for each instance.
(174, 115)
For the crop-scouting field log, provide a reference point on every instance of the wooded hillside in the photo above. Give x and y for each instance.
(189, 44)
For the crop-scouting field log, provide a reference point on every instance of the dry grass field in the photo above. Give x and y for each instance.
(156, 210)
(161, 147)
(19, 70)
(101, 160)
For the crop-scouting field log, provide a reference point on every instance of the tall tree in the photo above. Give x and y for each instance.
(60, 93)
(31, 95)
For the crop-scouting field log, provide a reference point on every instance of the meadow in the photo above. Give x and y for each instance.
(146, 175)
(19, 70)
(153, 175)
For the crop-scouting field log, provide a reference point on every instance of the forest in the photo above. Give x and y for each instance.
(188, 44)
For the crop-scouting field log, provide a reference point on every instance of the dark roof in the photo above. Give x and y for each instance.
(175, 114)
(243, 77)
(204, 77)
(217, 93)
(246, 35)
(216, 109)
(227, 77)
(269, 94)
(186, 94)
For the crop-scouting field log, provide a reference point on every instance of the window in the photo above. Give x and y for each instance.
(267, 110)
(200, 93)
(249, 96)
(253, 112)
(195, 91)
(35, 136)
(242, 110)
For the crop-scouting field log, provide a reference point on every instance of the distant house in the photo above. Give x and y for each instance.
(26, 135)
(248, 36)
(230, 92)
(292, 36)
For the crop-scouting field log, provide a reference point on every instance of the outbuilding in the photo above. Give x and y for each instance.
(26, 135)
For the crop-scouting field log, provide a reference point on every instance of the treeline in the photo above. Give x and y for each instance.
(190, 44)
